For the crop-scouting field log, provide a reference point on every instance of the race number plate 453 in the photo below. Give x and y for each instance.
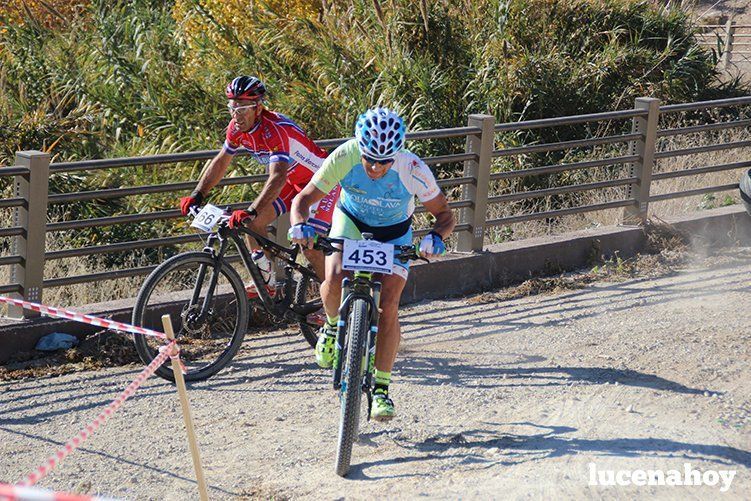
(207, 218)
(368, 255)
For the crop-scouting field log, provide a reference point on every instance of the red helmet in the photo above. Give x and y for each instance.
(245, 87)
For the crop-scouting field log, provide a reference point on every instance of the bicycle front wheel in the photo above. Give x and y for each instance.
(209, 311)
(351, 392)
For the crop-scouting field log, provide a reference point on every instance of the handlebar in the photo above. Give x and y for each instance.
(403, 253)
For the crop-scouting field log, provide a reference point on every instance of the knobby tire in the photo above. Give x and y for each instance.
(352, 375)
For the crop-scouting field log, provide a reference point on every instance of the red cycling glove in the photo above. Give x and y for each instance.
(194, 200)
(239, 217)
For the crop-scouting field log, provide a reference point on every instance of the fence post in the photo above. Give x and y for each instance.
(727, 56)
(642, 168)
(182, 392)
(32, 217)
(479, 169)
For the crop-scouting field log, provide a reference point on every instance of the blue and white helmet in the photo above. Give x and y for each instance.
(380, 133)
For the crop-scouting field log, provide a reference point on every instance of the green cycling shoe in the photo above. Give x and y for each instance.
(325, 346)
(383, 406)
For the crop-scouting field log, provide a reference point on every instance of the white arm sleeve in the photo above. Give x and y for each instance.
(420, 180)
(416, 177)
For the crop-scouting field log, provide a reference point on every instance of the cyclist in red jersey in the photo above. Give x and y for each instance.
(291, 158)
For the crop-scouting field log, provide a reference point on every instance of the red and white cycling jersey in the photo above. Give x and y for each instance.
(277, 138)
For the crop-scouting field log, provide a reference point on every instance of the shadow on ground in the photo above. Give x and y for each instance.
(491, 446)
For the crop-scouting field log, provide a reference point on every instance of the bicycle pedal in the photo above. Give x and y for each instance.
(317, 318)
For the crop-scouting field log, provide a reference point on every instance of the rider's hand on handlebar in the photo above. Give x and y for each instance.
(302, 234)
(241, 217)
(432, 245)
(194, 200)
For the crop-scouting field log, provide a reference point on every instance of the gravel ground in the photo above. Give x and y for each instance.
(496, 399)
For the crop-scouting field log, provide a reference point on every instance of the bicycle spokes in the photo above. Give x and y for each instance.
(205, 309)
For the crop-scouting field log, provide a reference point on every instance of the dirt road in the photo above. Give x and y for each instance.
(496, 399)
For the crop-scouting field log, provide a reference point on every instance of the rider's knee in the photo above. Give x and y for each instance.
(389, 306)
(333, 282)
(334, 272)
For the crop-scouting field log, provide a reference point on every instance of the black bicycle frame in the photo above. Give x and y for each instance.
(281, 308)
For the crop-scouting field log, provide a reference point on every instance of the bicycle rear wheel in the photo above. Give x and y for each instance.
(180, 287)
(351, 392)
(308, 298)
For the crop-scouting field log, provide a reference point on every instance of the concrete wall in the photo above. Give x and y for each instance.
(504, 264)
(512, 262)
(497, 266)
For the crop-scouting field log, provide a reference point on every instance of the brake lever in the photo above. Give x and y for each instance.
(324, 246)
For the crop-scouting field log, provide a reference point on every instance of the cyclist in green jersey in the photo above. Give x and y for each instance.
(379, 181)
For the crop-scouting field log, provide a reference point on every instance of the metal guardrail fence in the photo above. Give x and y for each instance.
(31, 198)
(731, 40)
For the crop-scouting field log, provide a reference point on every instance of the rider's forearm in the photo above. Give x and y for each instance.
(444, 223)
(214, 173)
(300, 210)
(270, 190)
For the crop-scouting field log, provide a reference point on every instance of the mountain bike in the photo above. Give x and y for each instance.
(354, 352)
(210, 302)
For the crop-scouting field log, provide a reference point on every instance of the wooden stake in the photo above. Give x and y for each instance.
(185, 403)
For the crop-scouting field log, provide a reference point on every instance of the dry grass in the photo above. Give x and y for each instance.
(106, 349)
(93, 292)
(662, 210)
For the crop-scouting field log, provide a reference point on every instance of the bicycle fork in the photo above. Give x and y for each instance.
(213, 279)
(341, 327)
(374, 301)
(373, 332)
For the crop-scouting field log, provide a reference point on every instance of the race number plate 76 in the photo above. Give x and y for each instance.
(209, 216)
(368, 255)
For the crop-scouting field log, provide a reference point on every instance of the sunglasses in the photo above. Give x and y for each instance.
(378, 162)
(241, 109)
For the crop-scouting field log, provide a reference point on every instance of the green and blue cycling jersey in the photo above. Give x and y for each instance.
(366, 204)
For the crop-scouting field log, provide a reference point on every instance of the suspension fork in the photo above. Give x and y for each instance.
(370, 291)
(218, 258)
(341, 328)
(372, 334)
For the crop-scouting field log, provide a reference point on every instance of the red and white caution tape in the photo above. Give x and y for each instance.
(87, 319)
(72, 444)
(18, 493)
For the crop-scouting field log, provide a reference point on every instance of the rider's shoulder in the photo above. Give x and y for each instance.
(268, 116)
(274, 118)
(407, 160)
(277, 124)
